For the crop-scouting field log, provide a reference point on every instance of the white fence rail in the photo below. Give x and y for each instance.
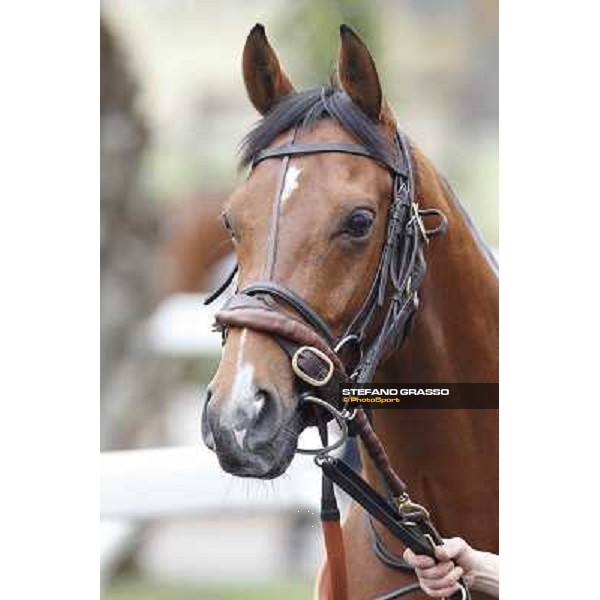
(181, 326)
(151, 484)
(142, 485)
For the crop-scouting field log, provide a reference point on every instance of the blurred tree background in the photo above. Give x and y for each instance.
(316, 40)
(173, 111)
(438, 62)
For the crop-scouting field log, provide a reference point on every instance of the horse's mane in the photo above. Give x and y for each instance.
(485, 248)
(306, 108)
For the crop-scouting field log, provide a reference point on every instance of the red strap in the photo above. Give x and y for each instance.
(337, 584)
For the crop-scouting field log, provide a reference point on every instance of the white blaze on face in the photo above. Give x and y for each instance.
(243, 394)
(290, 183)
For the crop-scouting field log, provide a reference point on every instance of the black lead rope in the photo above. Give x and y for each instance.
(374, 503)
(381, 550)
(329, 506)
(413, 531)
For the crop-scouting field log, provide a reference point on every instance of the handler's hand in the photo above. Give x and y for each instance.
(456, 558)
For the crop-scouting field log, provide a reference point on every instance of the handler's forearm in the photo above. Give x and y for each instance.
(485, 575)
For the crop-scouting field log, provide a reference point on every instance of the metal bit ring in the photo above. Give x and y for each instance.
(341, 421)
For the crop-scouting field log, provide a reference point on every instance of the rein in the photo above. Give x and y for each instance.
(322, 362)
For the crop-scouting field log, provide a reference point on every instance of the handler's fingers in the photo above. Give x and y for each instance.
(451, 548)
(443, 593)
(437, 571)
(446, 581)
(418, 561)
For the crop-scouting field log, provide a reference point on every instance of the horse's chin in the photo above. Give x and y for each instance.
(268, 464)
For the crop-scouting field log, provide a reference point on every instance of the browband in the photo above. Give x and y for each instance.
(356, 149)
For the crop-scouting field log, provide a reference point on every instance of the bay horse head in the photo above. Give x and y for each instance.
(318, 229)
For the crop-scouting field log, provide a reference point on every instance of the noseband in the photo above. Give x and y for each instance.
(323, 361)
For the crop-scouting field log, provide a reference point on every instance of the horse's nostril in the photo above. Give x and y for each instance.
(242, 422)
(267, 414)
(260, 399)
(205, 426)
(263, 400)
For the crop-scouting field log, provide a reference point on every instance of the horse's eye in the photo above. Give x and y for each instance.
(359, 223)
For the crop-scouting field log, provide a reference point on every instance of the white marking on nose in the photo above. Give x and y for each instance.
(240, 355)
(290, 183)
(243, 388)
(239, 436)
(243, 400)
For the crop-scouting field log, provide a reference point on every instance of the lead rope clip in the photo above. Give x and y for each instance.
(407, 507)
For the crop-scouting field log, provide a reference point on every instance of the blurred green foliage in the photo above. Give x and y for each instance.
(142, 590)
(437, 61)
(309, 28)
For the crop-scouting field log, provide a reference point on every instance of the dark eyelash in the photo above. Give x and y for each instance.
(226, 222)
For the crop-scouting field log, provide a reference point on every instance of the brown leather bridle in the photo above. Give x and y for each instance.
(322, 361)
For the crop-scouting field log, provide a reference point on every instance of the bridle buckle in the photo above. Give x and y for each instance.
(418, 219)
(304, 375)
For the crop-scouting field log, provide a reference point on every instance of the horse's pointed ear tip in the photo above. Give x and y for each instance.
(346, 31)
(258, 29)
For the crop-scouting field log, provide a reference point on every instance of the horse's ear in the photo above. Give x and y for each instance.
(266, 83)
(357, 73)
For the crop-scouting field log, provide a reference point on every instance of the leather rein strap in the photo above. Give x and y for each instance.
(320, 360)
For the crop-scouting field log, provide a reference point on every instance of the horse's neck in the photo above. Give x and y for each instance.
(448, 457)
(455, 334)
